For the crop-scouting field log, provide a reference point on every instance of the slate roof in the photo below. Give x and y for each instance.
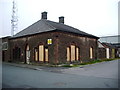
(44, 25)
(108, 45)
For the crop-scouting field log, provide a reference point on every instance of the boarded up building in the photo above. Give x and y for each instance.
(51, 42)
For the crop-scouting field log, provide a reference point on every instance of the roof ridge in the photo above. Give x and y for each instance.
(75, 29)
(49, 24)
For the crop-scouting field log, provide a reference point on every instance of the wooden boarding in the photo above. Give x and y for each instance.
(77, 53)
(68, 54)
(91, 52)
(46, 55)
(36, 55)
(72, 52)
(113, 53)
(41, 53)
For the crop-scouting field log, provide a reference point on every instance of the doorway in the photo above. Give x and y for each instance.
(27, 54)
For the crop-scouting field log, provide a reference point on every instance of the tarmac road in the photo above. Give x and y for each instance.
(100, 75)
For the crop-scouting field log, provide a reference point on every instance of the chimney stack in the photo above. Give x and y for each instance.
(44, 15)
(61, 19)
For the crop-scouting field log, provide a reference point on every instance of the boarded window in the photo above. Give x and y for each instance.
(41, 53)
(113, 53)
(77, 53)
(72, 52)
(68, 54)
(46, 55)
(91, 52)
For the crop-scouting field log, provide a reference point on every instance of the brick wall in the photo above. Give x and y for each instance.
(57, 50)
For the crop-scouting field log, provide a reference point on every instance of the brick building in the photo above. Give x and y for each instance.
(113, 41)
(106, 51)
(50, 42)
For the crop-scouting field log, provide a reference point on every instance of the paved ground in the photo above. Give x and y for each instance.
(103, 69)
(100, 75)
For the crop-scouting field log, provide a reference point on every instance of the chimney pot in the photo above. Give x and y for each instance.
(61, 19)
(44, 15)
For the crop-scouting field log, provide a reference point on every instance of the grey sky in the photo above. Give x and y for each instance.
(97, 17)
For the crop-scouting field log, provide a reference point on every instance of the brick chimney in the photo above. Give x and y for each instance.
(61, 19)
(44, 15)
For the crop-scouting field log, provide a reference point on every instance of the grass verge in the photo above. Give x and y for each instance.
(91, 62)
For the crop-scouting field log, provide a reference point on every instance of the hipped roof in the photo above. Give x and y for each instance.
(44, 25)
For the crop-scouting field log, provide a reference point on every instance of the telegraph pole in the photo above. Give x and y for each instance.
(14, 20)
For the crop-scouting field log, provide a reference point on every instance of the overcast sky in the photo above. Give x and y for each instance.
(97, 17)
